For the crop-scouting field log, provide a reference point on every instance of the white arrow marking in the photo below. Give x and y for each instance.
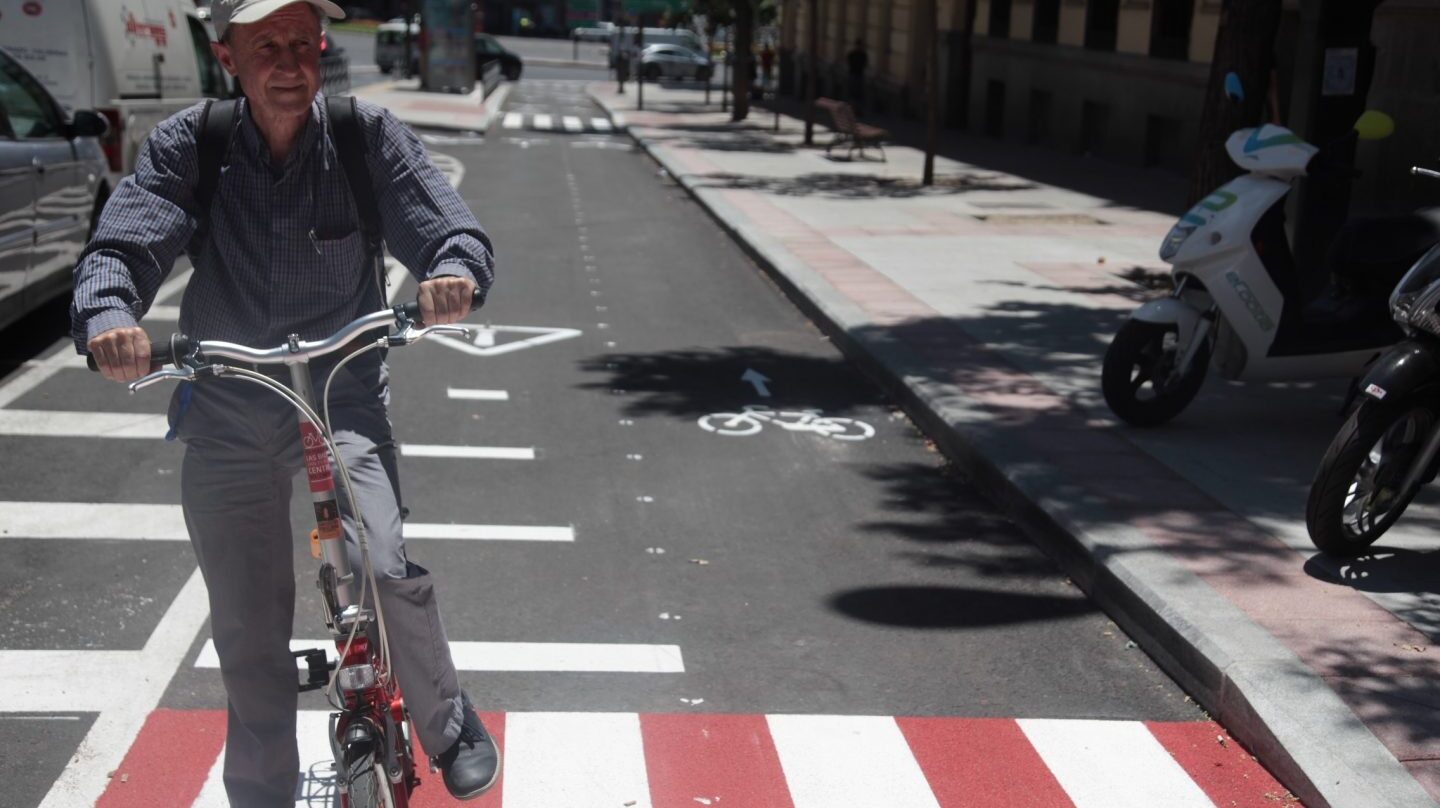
(758, 379)
(485, 343)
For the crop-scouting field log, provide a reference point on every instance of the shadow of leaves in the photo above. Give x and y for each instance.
(861, 186)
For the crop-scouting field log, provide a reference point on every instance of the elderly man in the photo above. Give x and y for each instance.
(283, 255)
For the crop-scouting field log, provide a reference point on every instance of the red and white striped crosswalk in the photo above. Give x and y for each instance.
(646, 760)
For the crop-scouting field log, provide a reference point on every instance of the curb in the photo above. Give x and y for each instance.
(1284, 712)
(543, 62)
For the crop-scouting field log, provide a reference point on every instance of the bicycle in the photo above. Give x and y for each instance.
(374, 760)
(753, 418)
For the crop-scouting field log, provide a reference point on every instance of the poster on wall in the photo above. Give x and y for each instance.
(449, 46)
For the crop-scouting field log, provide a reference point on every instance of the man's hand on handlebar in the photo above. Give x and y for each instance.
(445, 299)
(122, 354)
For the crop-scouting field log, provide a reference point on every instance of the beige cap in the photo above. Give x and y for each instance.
(225, 12)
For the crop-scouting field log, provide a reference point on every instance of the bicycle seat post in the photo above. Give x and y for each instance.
(322, 488)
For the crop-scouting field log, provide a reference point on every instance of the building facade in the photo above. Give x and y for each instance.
(1122, 80)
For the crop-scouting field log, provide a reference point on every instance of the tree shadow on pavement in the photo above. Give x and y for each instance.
(952, 526)
(737, 142)
(860, 186)
(1395, 691)
(1126, 186)
(691, 382)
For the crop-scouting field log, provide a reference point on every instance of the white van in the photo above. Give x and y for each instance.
(136, 62)
(390, 45)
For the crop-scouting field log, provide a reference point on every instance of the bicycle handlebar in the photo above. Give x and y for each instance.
(181, 346)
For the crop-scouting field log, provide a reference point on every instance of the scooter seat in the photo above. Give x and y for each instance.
(1371, 254)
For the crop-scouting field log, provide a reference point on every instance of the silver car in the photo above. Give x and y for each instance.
(674, 62)
(52, 173)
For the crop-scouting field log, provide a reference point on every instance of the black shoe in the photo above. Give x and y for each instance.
(472, 764)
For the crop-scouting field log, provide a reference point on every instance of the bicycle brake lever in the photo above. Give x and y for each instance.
(160, 376)
(411, 334)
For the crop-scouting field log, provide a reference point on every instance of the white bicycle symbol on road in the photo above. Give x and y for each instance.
(753, 418)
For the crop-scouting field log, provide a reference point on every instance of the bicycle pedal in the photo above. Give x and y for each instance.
(317, 668)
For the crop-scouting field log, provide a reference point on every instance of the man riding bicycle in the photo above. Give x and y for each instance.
(280, 252)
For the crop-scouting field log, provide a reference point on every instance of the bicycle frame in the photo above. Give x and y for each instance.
(370, 718)
(375, 708)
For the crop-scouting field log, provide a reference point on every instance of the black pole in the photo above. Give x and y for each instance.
(709, 49)
(932, 134)
(639, 52)
(725, 82)
(813, 57)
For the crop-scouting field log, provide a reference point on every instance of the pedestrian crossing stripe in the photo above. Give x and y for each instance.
(555, 123)
(650, 760)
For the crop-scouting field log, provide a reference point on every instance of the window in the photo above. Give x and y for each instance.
(1047, 22)
(31, 112)
(1000, 18)
(1170, 29)
(1102, 21)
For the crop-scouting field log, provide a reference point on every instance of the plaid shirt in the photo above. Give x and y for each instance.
(285, 253)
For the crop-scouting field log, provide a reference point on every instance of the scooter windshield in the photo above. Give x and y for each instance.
(1413, 304)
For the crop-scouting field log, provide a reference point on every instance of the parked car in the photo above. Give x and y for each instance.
(674, 62)
(136, 63)
(52, 186)
(334, 67)
(488, 49)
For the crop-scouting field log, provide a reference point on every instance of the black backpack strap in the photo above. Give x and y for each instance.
(350, 142)
(349, 135)
(212, 141)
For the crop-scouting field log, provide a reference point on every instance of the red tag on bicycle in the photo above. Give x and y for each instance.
(317, 458)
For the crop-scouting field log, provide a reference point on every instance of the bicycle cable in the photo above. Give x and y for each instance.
(359, 519)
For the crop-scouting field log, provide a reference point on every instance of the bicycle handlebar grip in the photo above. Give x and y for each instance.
(412, 309)
(176, 347)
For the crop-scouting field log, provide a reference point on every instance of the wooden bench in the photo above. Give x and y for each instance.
(850, 132)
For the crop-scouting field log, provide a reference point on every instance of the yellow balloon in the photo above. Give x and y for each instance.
(1375, 125)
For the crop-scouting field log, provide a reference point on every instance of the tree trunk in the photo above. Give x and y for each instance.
(743, 57)
(1245, 46)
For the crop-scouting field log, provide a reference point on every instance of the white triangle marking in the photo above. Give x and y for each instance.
(484, 343)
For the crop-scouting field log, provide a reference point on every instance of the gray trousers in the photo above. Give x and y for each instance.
(242, 454)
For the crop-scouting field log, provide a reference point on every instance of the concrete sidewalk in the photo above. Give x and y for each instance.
(985, 304)
(470, 112)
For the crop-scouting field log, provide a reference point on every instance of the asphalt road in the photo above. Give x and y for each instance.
(808, 567)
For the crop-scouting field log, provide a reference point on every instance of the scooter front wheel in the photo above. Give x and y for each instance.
(1139, 379)
(1356, 495)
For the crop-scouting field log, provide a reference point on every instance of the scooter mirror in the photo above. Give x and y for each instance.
(1234, 88)
(1374, 125)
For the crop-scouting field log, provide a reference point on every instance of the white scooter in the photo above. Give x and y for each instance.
(1241, 303)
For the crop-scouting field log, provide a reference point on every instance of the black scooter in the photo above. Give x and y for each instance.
(1390, 445)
